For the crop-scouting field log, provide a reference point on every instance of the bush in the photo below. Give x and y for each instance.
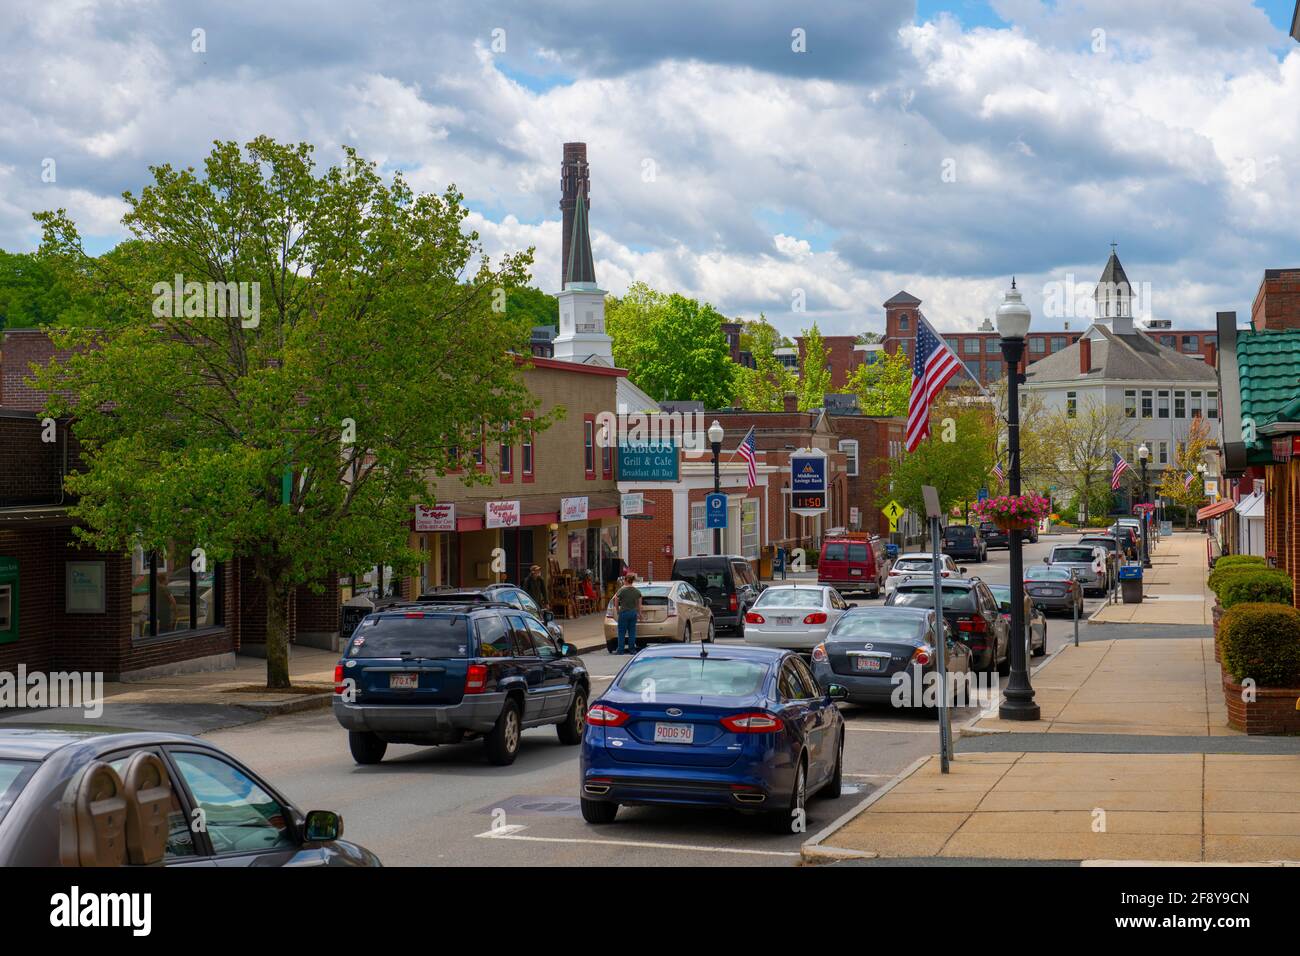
(1252, 586)
(1262, 642)
(1219, 575)
(1240, 560)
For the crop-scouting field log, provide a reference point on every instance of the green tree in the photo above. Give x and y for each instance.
(763, 388)
(34, 293)
(1082, 443)
(884, 386)
(371, 363)
(955, 459)
(815, 380)
(1189, 452)
(533, 307)
(672, 346)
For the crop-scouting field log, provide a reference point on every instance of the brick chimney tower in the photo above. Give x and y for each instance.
(574, 178)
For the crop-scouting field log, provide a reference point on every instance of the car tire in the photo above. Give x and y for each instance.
(781, 821)
(609, 647)
(366, 747)
(835, 786)
(1042, 650)
(570, 729)
(598, 811)
(502, 740)
(713, 633)
(1004, 668)
(686, 633)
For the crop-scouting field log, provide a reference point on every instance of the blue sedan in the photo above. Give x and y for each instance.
(710, 726)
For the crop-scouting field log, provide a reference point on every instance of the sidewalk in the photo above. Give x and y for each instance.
(1174, 590)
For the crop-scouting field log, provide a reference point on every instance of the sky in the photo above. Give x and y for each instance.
(801, 161)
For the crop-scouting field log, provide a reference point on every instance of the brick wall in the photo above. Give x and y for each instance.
(19, 349)
(1273, 710)
(646, 538)
(1277, 303)
(30, 469)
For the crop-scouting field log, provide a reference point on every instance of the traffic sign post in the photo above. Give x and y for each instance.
(715, 510)
(933, 512)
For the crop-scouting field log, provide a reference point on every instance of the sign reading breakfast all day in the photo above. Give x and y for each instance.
(501, 514)
(435, 517)
(647, 461)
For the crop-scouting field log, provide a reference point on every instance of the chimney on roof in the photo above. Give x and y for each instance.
(1085, 355)
(790, 401)
(1211, 355)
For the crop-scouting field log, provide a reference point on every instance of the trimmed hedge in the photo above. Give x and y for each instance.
(1255, 587)
(1220, 574)
(1240, 560)
(1262, 642)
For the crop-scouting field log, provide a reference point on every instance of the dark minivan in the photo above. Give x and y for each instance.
(446, 674)
(964, 541)
(727, 582)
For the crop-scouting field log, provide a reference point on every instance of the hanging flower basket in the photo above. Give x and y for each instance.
(1013, 512)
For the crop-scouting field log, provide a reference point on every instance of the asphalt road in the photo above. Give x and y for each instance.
(438, 805)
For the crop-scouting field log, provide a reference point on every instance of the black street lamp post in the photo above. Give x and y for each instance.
(715, 441)
(1143, 454)
(1018, 698)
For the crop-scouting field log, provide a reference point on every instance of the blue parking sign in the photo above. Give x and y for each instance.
(984, 493)
(715, 510)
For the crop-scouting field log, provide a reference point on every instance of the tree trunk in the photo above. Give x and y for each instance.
(277, 632)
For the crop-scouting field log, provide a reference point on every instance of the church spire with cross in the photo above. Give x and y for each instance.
(582, 335)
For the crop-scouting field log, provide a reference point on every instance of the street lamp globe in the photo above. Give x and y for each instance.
(715, 433)
(1144, 452)
(1013, 315)
(1201, 468)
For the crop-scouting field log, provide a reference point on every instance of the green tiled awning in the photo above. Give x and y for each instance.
(1268, 365)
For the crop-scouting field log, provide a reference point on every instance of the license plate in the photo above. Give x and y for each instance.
(867, 663)
(403, 681)
(857, 571)
(674, 733)
(783, 620)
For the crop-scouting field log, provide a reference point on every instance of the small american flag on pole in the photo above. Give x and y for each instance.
(999, 473)
(1188, 479)
(1118, 468)
(747, 451)
(932, 366)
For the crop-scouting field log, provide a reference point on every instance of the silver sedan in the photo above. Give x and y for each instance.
(794, 617)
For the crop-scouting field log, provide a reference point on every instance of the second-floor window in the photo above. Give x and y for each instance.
(1071, 404)
(1147, 398)
(526, 454)
(506, 458)
(1212, 404)
(903, 322)
(1180, 404)
(850, 448)
(1196, 404)
(1162, 404)
(1130, 403)
(589, 445)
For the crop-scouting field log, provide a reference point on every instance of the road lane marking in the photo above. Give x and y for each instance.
(513, 834)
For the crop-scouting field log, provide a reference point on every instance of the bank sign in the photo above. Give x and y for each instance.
(808, 482)
(647, 461)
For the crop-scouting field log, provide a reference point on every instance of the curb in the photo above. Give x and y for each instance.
(275, 708)
(812, 852)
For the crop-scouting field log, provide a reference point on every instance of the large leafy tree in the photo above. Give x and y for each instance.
(533, 307)
(1082, 443)
(33, 292)
(884, 386)
(672, 346)
(296, 439)
(955, 459)
(763, 387)
(815, 377)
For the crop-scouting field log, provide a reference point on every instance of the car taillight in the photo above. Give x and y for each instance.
(972, 625)
(338, 679)
(731, 603)
(672, 608)
(921, 655)
(816, 617)
(893, 573)
(413, 614)
(759, 722)
(476, 678)
(604, 715)
(944, 573)
(753, 617)
(819, 654)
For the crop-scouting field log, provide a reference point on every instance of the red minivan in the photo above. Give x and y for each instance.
(853, 561)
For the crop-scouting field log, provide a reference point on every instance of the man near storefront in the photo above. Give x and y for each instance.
(628, 601)
(535, 585)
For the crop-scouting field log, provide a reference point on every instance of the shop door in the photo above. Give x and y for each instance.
(518, 546)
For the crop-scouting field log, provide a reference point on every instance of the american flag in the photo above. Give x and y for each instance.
(1187, 481)
(933, 365)
(747, 451)
(997, 471)
(1120, 466)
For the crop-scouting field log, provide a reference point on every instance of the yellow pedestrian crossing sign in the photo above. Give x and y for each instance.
(893, 511)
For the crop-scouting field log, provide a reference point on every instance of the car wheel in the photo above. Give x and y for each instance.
(1004, 668)
(835, 787)
(570, 729)
(782, 821)
(686, 633)
(503, 740)
(366, 747)
(1042, 650)
(609, 647)
(708, 638)
(598, 811)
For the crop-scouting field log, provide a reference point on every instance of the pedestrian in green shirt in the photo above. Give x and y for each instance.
(629, 609)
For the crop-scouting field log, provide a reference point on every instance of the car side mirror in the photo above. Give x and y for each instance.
(567, 649)
(322, 826)
(852, 604)
(837, 692)
(548, 616)
(962, 570)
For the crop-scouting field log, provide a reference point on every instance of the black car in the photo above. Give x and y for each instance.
(451, 673)
(994, 537)
(727, 582)
(972, 611)
(964, 541)
(75, 798)
(869, 648)
(503, 593)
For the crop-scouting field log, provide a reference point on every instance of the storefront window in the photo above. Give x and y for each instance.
(169, 596)
(749, 527)
(699, 534)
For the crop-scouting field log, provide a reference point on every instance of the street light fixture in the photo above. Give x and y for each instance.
(715, 441)
(1013, 323)
(1143, 454)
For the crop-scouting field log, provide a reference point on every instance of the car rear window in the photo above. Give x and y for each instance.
(956, 599)
(1076, 555)
(835, 552)
(961, 531)
(14, 774)
(858, 552)
(913, 564)
(694, 676)
(414, 635)
(875, 626)
(1108, 543)
(790, 597)
(703, 577)
(1046, 574)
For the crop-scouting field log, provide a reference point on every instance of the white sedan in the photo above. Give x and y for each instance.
(917, 566)
(795, 617)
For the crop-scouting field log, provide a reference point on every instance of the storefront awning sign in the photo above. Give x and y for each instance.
(501, 514)
(573, 509)
(435, 517)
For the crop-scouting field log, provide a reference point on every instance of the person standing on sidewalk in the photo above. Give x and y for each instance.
(628, 600)
(535, 585)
